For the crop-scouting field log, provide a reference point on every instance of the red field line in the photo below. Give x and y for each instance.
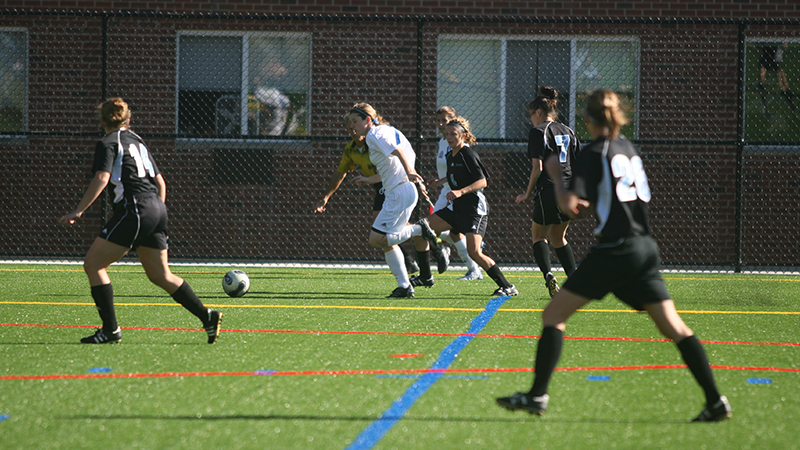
(388, 333)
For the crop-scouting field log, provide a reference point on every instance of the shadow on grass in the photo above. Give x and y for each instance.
(271, 417)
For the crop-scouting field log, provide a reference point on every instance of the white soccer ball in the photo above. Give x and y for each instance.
(236, 283)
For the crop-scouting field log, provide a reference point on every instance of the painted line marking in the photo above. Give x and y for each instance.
(278, 373)
(759, 381)
(99, 370)
(450, 377)
(397, 308)
(375, 431)
(407, 355)
(4, 417)
(391, 333)
(598, 378)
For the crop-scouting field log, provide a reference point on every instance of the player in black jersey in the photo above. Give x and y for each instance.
(609, 177)
(139, 222)
(548, 138)
(466, 211)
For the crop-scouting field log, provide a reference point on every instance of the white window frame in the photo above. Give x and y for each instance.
(573, 40)
(244, 81)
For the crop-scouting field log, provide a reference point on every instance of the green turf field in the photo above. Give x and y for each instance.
(316, 359)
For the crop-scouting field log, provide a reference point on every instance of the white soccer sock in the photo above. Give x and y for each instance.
(445, 236)
(394, 258)
(461, 248)
(405, 234)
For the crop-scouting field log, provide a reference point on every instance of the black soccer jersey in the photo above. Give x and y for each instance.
(553, 138)
(463, 169)
(132, 168)
(610, 174)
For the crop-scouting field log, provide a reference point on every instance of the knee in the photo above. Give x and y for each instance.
(377, 240)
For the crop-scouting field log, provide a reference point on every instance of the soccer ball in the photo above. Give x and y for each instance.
(236, 283)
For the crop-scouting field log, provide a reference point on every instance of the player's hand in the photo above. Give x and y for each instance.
(360, 180)
(320, 206)
(452, 195)
(521, 198)
(415, 178)
(69, 219)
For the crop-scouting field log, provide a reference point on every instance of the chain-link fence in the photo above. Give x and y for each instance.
(244, 115)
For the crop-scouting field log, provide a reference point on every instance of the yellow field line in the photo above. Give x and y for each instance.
(399, 308)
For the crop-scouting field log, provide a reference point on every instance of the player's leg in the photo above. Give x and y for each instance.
(548, 352)
(102, 254)
(459, 241)
(474, 247)
(558, 238)
(156, 265)
(671, 325)
(541, 254)
(423, 248)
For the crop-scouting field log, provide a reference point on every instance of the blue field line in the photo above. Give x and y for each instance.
(377, 429)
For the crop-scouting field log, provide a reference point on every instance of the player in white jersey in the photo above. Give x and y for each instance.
(443, 115)
(394, 159)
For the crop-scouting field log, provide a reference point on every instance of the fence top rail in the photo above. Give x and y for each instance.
(396, 18)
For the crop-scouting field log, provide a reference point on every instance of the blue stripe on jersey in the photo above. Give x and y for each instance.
(397, 135)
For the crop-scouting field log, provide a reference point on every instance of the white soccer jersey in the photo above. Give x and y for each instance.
(441, 171)
(382, 140)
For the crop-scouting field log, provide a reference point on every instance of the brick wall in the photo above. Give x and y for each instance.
(688, 88)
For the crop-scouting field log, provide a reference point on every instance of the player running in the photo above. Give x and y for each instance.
(394, 160)
(466, 211)
(549, 137)
(139, 223)
(609, 177)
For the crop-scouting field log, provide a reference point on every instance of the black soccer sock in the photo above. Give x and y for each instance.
(103, 296)
(566, 258)
(541, 254)
(498, 277)
(424, 261)
(188, 299)
(695, 357)
(547, 354)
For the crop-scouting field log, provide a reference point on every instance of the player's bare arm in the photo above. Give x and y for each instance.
(99, 182)
(412, 174)
(476, 186)
(536, 170)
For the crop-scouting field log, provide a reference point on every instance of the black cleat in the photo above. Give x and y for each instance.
(715, 413)
(523, 401)
(401, 292)
(101, 337)
(442, 256)
(418, 281)
(212, 326)
(427, 232)
(509, 291)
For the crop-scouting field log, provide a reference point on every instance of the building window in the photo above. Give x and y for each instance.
(489, 80)
(13, 79)
(243, 84)
(772, 109)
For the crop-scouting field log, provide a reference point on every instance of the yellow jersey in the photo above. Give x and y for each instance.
(355, 157)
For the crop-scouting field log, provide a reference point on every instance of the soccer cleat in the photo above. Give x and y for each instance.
(715, 413)
(401, 292)
(472, 275)
(418, 281)
(100, 337)
(552, 284)
(508, 291)
(442, 255)
(427, 231)
(212, 326)
(523, 401)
